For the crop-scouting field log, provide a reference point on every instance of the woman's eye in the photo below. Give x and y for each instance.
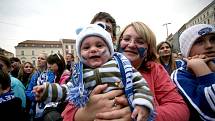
(126, 39)
(140, 41)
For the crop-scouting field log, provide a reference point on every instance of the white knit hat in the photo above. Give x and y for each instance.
(93, 30)
(190, 35)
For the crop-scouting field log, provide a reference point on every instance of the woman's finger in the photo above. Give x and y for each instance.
(112, 94)
(115, 114)
(121, 101)
(99, 89)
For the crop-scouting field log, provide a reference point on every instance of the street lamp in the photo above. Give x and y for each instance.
(166, 24)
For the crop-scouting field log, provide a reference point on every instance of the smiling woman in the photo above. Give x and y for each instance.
(169, 104)
(165, 57)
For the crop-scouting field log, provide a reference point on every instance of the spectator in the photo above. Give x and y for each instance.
(138, 43)
(10, 106)
(196, 79)
(15, 66)
(39, 77)
(165, 57)
(25, 73)
(109, 21)
(69, 62)
(16, 85)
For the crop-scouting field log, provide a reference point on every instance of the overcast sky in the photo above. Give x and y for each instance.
(56, 19)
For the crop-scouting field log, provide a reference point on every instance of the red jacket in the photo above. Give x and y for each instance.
(169, 104)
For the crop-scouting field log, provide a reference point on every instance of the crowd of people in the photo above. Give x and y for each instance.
(115, 79)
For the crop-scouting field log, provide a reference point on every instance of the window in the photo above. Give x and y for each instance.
(208, 21)
(66, 46)
(67, 51)
(22, 52)
(71, 46)
(32, 52)
(34, 62)
(214, 16)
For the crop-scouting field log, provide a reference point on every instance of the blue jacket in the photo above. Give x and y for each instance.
(199, 92)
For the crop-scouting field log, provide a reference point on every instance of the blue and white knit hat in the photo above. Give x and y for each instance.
(93, 30)
(190, 35)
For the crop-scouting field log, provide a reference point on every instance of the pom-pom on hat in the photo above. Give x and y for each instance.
(190, 35)
(93, 30)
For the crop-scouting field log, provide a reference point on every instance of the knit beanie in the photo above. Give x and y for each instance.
(93, 30)
(190, 35)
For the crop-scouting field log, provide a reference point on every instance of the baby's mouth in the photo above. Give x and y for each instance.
(94, 57)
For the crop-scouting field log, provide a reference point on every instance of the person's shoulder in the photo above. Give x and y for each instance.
(15, 82)
(153, 64)
(180, 63)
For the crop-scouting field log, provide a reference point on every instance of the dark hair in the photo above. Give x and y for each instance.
(24, 77)
(108, 17)
(14, 59)
(5, 60)
(72, 56)
(161, 43)
(4, 79)
(59, 60)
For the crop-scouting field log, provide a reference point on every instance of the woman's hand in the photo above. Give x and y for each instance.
(98, 102)
(120, 114)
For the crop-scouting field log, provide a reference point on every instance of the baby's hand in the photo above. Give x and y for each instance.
(141, 113)
(38, 90)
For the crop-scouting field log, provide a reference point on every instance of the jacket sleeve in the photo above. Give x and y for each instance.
(55, 92)
(142, 93)
(28, 92)
(199, 91)
(170, 104)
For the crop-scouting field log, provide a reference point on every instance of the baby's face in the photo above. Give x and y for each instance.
(95, 51)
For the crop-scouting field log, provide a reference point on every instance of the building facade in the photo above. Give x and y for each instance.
(30, 49)
(205, 16)
(68, 46)
(6, 53)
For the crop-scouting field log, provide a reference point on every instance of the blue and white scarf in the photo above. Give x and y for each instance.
(46, 76)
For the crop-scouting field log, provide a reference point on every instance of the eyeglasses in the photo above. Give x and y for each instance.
(135, 40)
